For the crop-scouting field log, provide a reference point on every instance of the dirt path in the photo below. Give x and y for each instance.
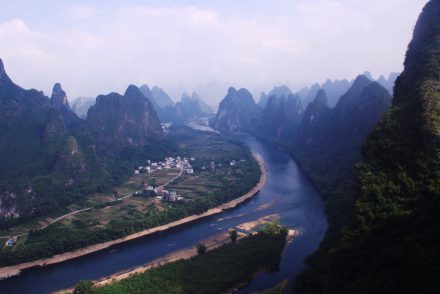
(85, 209)
(172, 180)
(15, 269)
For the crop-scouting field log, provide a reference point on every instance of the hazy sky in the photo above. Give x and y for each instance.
(94, 47)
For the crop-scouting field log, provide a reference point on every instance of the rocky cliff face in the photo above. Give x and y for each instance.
(317, 117)
(281, 117)
(51, 158)
(328, 144)
(119, 122)
(162, 103)
(23, 115)
(59, 101)
(352, 118)
(237, 112)
(36, 131)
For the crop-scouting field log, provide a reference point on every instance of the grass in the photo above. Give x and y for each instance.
(204, 147)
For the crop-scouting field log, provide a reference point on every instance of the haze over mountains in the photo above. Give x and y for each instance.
(186, 109)
(287, 116)
(334, 89)
(118, 123)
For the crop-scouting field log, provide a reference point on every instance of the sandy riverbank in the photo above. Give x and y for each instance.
(6, 272)
(186, 253)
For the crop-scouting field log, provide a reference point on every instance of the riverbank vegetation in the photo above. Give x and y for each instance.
(216, 185)
(217, 271)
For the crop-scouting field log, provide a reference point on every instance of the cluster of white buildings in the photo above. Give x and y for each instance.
(184, 163)
(169, 162)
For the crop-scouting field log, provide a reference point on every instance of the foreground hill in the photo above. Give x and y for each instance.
(393, 244)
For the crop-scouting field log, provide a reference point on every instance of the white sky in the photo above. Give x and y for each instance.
(96, 47)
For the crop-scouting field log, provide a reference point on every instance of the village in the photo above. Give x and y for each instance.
(147, 180)
(182, 163)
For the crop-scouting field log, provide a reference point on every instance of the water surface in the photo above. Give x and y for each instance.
(287, 193)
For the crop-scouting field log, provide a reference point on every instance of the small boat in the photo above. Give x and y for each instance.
(219, 229)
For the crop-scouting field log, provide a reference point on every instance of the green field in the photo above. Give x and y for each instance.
(108, 219)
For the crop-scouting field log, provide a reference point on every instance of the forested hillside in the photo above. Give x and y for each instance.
(51, 158)
(393, 244)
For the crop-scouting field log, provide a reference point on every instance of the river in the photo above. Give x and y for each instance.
(287, 193)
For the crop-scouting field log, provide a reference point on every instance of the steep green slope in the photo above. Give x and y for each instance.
(329, 143)
(51, 158)
(45, 164)
(393, 244)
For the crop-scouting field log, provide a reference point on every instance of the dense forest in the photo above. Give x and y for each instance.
(392, 244)
(216, 271)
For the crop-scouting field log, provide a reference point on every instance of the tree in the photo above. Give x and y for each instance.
(233, 235)
(83, 287)
(274, 228)
(201, 248)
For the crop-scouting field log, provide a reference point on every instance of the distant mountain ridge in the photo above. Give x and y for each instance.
(188, 108)
(284, 117)
(237, 112)
(277, 91)
(281, 116)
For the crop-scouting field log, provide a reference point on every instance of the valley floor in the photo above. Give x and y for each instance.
(16, 269)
